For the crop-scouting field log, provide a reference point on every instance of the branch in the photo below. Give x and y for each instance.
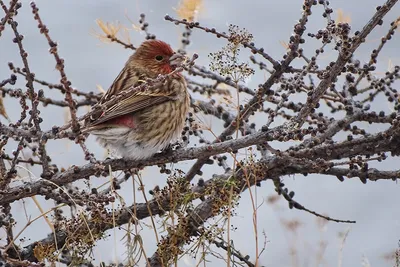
(254, 103)
(272, 166)
(343, 57)
(381, 142)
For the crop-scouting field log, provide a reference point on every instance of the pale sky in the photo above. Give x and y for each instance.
(89, 63)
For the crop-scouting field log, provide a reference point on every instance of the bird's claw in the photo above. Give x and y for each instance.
(171, 147)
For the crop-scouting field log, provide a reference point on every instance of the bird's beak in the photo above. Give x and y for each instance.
(176, 60)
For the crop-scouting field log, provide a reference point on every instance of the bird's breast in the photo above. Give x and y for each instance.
(162, 122)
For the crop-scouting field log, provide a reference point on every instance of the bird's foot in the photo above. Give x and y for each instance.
(171, 147)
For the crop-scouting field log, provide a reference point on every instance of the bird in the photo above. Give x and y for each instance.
(147, 121)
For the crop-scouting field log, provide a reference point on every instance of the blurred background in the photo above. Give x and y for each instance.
(292, 238)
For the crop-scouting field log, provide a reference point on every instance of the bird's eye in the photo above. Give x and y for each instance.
(159, 58)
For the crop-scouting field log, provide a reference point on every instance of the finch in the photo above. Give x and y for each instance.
(147, 121)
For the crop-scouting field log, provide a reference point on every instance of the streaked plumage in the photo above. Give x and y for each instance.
(147, 121)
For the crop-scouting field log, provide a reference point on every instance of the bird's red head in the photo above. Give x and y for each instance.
(157, 56)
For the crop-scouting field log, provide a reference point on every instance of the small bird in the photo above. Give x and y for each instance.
(146, 122)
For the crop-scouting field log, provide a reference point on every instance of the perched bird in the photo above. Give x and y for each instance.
(146, 122)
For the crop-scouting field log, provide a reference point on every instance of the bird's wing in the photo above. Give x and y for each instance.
(133, 103)
(126, 78)
(139, 100)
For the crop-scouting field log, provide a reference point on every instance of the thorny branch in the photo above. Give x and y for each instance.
(325, 133)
